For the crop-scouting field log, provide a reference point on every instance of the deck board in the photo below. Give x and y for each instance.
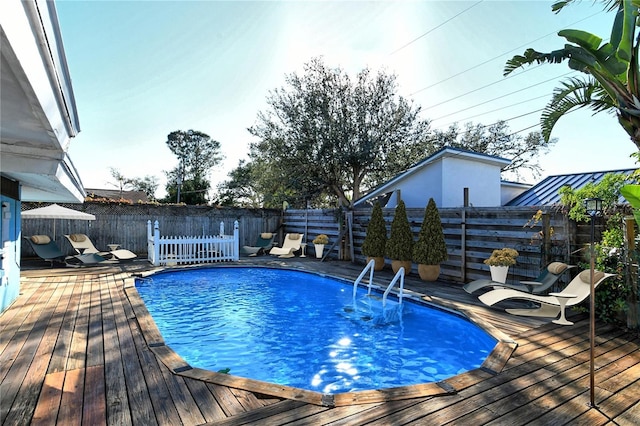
(74, 349)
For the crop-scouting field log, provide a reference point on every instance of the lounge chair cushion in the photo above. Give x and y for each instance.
(585, 276)
(40, 239)
(77, 237)
(294, 236)
(557, 267)
(266, 235)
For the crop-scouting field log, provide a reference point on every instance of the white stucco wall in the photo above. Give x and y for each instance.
(482, 179)
(445, 181)
(510, 190)
(416, 189)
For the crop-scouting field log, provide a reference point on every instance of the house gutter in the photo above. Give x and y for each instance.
(66, 106)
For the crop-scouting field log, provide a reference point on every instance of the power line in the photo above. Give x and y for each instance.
(494, 99)
(435, 28)
(536, 125)
(494, 110)
(499, 56)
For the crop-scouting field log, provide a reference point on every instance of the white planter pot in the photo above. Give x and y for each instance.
(499, 273)
(319, 250)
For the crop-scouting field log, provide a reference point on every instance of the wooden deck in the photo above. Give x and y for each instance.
(75, 348)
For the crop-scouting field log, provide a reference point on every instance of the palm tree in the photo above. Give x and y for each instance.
(612, 68)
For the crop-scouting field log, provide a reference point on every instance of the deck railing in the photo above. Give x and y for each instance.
(174, 250)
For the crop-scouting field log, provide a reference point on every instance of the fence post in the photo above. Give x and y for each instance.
(149, 247)
(156, 243)
(236, 241)
(631, 272)
(546, 239)
(221, 229)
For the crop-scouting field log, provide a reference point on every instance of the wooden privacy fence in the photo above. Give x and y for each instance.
(174, 250)
(126, 224)
(471, 234)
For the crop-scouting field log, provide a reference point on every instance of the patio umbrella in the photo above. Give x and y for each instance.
(54, 211)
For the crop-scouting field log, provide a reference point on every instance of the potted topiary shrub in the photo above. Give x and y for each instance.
(499, 263)
(399, 247)
(319, 243)
(376, 238)
(430, 249)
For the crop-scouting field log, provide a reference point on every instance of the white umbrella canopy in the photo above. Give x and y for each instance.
(54, 211)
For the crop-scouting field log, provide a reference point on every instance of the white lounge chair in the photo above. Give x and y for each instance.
(542, 283)
(83, 245)
(291, 244)
(554, 303)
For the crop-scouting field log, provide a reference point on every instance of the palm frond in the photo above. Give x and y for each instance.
(531, 56)
(573, 93)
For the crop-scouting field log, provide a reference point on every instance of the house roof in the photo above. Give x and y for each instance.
(38, 115)
(443, 153)
(115, 194)
(546, 192)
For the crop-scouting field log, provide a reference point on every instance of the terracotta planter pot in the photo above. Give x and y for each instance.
(397, 264)
(428, 272)
(379, 265)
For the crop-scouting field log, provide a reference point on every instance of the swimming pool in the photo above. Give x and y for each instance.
(302, 330)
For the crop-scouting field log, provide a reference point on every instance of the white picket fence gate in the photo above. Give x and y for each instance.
(171, 251)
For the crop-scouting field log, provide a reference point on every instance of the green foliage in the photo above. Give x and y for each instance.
(631, 193)
(147, 184)
(611, 66)
(502, 257)
(608, 189)
(376, 238)
(611, 295)
(400, 244)
(197, 154)
(430, 249)
(496, 139)
(329, 135)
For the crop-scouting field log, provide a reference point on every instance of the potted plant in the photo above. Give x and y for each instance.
(376, 238)
(319, 243)
(430, 249)
(499, 263)
(399, 247)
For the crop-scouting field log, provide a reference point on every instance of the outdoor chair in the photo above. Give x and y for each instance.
(547, 278)
(45, 248)
(83, 245)
(552, 304)
(262, 246)
(291, 244)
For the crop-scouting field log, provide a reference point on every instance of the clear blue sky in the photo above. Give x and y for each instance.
(143, 69)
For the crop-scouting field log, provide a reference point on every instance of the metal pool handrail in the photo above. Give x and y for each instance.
(400, 275)
(369, 268)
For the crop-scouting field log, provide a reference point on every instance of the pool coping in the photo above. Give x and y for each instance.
(493, 364)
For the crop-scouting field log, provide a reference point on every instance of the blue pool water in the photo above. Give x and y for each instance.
(303, 330)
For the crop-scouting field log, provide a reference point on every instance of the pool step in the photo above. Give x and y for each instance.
(369, 308)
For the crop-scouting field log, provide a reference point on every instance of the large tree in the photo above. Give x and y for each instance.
(496, 139)
(147, 184)
(612, 81)
(197, 154)
(325, 134)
